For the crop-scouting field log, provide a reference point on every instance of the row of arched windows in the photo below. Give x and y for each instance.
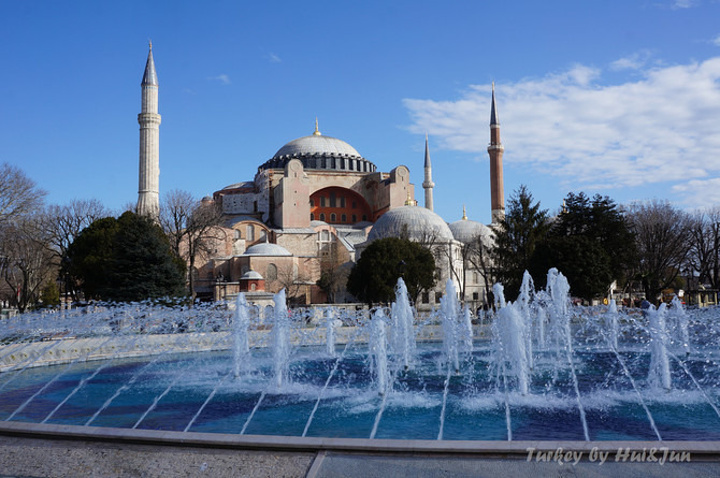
(334, 218)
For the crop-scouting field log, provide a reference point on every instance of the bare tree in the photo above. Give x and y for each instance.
(704, 256)
(192, 227)
(27, 263)
(334, 273)
(292, 279)
(62, 224)
(662, 241)
(479, 256)
(18, 194)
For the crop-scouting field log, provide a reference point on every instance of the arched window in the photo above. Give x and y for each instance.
(333, 217)
(312, 216)
(271, 273)
(322, 216)
(343, 218)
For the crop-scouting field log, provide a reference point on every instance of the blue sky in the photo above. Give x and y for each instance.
(620, 98)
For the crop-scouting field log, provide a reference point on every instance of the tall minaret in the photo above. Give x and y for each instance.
(495, 150)
(428, 184)
(149, 186)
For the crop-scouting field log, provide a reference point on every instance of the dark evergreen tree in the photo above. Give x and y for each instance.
(524, 226)
(90, 258)
(125, 259)
(374, 276)
(590, 242)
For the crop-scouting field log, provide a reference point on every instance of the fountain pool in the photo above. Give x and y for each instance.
(539, 370)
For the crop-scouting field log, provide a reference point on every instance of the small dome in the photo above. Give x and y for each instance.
(266, 249)
(466, 230)
(251, 275)
(320, 152)
(418, 223)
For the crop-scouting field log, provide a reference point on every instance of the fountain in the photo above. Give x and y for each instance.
(540, 369)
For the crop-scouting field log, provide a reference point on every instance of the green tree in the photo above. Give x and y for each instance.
(125, 259)
(590, 242)
(581, 259)
(90, 258)
(524, 226)
(50, 295)
(374, 276)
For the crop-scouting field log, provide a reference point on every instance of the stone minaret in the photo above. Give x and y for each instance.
(149, 186)
(495, 150)
(428, 184)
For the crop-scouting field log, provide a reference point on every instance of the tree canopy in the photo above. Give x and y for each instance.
(524, 226)
(590, 242)
(192, 227)
(663, 241)
(375, 274)
(125, 259)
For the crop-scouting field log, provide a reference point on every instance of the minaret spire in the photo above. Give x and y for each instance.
(149, 174)
(428, 184)
(496, 150)
(494, 118)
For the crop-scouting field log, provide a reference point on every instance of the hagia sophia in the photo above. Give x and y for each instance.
(310, 211)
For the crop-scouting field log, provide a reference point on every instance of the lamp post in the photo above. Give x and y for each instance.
(401, 269)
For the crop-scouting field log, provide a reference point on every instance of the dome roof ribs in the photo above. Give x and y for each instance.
(320, 152)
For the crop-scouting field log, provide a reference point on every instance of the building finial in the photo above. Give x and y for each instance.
(464, 218)
(317, 131)
(150, 44)
(410, 201)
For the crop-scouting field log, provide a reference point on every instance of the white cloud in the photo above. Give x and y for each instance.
(658, 129)
(274, 58)
(224, 79)
(678, 4)
(700, 192)
(635, 61)
(716, 41)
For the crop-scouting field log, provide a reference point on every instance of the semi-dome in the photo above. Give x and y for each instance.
(415, 223)
(320, 152)
(266, 249)
(466, 230)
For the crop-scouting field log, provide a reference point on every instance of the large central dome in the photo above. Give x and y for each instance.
(317, 144)
(320, 152)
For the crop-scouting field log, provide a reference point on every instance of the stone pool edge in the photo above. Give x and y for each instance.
(698, 450)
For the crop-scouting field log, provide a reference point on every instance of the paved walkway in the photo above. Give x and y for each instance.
(57, 451)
